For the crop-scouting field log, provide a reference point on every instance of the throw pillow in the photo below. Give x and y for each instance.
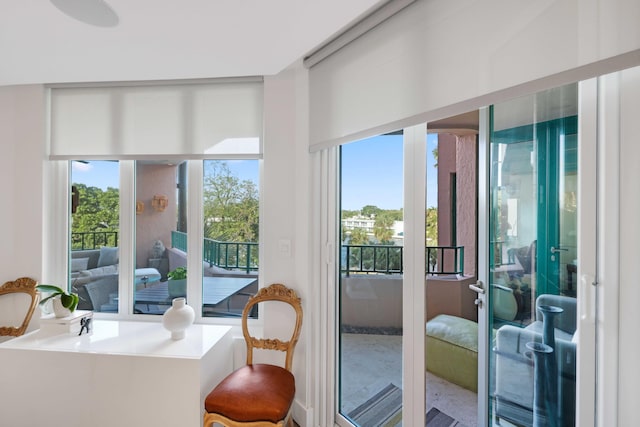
(101, 271)
(108, 256)
(78, 264)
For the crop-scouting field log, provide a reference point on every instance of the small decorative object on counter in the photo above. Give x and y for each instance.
(178, 318)
(77, 323)
(64, 303)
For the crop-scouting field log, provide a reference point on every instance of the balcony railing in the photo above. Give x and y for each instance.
(229, 255)
(387, 259)
(357, 259)
(93, 240)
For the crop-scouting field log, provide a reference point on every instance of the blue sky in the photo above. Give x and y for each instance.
(103, 174)
(371, 172)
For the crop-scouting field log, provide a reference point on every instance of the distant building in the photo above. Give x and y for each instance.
(368, 223)
(359, 221)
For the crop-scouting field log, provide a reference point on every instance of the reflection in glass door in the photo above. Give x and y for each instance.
(533, 259)
(370, 282)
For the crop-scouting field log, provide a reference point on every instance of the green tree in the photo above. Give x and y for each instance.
(431, 226)
(98, 210)
(395, 214)
(349, 213)
(231, 205)
(358, 236)
(383, 227)
(370, 211)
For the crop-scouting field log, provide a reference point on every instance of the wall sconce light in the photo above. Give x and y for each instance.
(139, 207)
(159, 202)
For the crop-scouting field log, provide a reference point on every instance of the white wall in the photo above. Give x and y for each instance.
(22, 130)
(285, 214)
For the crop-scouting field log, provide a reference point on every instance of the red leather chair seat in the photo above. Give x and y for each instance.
(257, 392)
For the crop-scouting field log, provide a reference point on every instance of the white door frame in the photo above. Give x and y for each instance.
(483, 265)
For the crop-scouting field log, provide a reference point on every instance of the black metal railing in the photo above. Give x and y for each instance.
(356, 259)
(228, 255)
(93, 240)
(445, 260)
(381, 259)
(387, 259)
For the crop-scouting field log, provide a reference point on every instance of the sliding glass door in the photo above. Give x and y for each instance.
(370, 282)
(533, 258)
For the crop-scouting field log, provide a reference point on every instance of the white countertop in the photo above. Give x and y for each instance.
(126, 338)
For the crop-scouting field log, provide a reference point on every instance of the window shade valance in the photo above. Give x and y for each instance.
(186, 120)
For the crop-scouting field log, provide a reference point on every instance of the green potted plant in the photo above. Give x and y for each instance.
(177, 282)
(64, 303)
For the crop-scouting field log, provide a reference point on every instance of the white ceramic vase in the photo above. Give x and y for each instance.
(178, 318)
(59, 310)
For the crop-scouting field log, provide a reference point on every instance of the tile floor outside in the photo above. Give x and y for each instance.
(371, 362)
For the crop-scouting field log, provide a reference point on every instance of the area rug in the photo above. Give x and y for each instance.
(384, 409)
(437, 418)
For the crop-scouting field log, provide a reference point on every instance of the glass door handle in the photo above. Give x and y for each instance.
(554, 249)
(477, 287)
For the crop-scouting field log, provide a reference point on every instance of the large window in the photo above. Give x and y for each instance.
(162, 202)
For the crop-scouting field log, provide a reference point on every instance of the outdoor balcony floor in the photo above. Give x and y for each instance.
(371, 362)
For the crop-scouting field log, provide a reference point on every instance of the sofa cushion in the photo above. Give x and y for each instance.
(452, 350)
(78, 264)
(108, 256)
(101, 271)
(85, 276)
(92, 254)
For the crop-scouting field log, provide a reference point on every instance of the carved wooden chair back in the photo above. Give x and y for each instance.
(23, 285)
(275, 292)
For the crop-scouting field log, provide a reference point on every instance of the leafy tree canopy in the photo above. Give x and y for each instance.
(231, 205)
(98, 210)
(383, 227)
(370, 210)
(358, 236)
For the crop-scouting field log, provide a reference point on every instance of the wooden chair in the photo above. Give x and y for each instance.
(23, 285)
(258, 395)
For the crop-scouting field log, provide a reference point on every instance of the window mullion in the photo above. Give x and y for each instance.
(126, 245)
(195, 234)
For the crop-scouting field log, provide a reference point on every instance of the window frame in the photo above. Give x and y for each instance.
(56, 250)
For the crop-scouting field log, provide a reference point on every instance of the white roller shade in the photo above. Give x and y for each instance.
(435, 59)
(186, 120)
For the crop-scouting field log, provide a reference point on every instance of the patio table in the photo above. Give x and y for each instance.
(216, 290)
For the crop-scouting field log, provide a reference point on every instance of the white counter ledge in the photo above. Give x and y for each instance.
(126, 337)
(124, 373)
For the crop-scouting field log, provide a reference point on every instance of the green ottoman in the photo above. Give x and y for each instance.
(452, 350)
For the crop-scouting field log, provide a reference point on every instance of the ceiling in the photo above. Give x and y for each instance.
(162, 39)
